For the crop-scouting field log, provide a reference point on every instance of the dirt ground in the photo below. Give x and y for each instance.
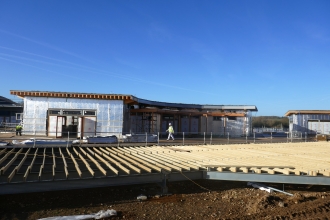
(201, 199)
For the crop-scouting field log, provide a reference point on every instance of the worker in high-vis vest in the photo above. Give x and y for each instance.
(170, 131)
(19, 130)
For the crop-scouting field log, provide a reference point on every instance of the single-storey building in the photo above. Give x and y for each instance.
(309, 121)
(83, 114)
(10, 112)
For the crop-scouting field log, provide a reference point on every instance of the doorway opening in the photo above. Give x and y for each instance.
(78, 123)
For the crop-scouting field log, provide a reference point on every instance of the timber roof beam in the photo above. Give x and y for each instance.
(132, 100)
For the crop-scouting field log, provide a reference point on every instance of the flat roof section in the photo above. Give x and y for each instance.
(312, 112)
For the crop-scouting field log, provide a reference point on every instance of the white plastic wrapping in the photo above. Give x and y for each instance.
(109, 113)
(101, 214)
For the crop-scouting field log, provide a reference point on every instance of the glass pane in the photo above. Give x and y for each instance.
(71, 112)
(54, 112)
(89, 113)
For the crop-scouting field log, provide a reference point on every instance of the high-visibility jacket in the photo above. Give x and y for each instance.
(170, 129)
(18, 128)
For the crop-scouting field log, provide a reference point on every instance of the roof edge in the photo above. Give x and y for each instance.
(127, 98)
(292, 112)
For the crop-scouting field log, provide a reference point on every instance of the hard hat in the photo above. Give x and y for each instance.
(169, 123)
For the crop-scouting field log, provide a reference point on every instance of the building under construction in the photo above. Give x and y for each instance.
(9, 111)
(309, 121)
(41, 167)
(55, 114)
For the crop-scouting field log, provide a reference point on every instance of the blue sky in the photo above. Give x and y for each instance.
(273, 54)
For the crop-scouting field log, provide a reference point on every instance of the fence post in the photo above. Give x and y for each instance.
(305, 136)
(146, 139)
(254, 137)
(271, 137)
(287, 137)
(211, 138)
(67, 144)
(246, 137)
(315, 135)
(183, 138)
(228, 138)
(158, 137)
(34, 144)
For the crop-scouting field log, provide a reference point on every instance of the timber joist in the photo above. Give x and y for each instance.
(94, 162)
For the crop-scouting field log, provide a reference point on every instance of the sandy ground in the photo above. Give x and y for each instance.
(202, 199)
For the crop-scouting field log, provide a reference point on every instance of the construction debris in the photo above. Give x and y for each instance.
(142, 197)
(100, 215)
(102, 139)
(3, 143)
(33, 141)
(138, 138)
(266, 188)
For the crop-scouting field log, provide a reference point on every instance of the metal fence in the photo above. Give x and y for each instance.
(7, 126)
(161, 138)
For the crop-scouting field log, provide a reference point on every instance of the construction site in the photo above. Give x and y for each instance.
(53, 181)
(79, 160)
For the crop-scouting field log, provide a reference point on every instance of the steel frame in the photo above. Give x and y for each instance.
(270, 178)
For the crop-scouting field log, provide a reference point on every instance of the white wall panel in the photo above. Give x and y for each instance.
(203, 124)
(109, 112)
(194, 125)
(52, 126)
(89, 126)
(313, 126)
(326, 127)
(217, 127)
(184, 124)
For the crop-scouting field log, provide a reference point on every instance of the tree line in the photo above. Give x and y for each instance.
(270, 122)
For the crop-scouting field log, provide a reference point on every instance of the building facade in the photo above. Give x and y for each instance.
(58, 114)
(10, 112)
(309, 121)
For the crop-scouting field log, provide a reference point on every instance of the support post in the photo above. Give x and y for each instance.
(34, 143)
(204, 138)
(165, 175)
(246, 137)
(271, 137)
(67, 144)
(287, 137)
(316, 135)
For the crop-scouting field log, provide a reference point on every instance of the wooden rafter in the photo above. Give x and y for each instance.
(126, 98)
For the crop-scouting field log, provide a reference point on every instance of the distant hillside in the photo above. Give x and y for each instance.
(270, 122)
